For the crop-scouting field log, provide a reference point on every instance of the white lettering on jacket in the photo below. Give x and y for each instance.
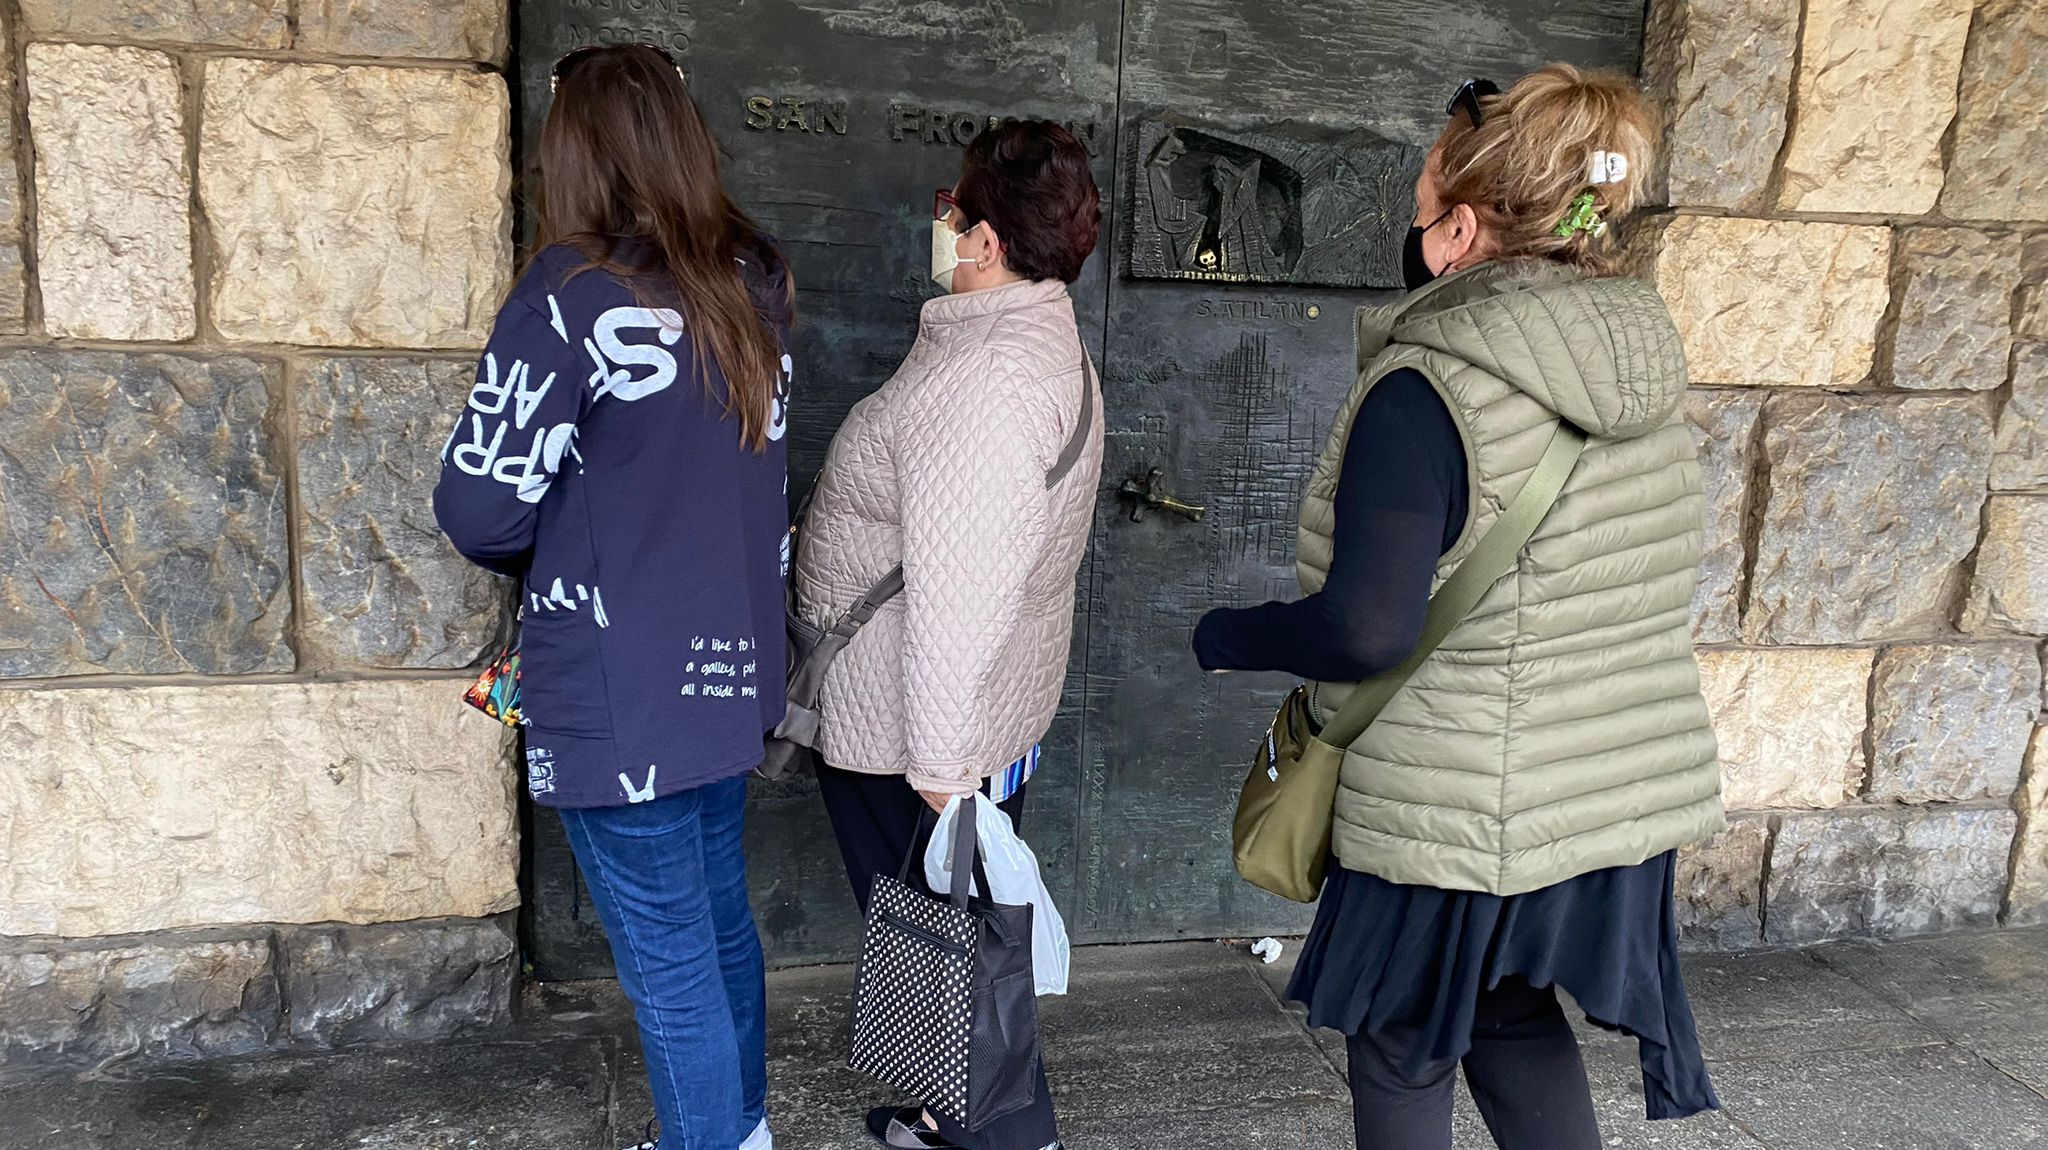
(606, 349)
(639, 794)
(778, 416)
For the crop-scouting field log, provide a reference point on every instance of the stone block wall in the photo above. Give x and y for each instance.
(248, 250)
(1856, 250)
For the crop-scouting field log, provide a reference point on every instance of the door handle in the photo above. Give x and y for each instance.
(1146, 490)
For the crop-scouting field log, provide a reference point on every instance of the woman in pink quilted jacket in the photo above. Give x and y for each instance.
(975, 467)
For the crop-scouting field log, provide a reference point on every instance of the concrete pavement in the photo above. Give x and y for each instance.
(1931, 1044)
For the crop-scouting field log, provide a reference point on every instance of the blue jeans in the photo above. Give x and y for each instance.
(670, 883)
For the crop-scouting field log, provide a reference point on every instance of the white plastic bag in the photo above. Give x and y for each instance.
(1013, 873)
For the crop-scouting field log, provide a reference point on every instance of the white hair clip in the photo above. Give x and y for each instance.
(1607, 168)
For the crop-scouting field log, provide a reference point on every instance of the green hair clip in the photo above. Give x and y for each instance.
(1583, 217)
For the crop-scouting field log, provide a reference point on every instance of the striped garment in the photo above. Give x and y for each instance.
(1012, 778)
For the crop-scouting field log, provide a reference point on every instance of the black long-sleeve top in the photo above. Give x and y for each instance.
(1401, 503)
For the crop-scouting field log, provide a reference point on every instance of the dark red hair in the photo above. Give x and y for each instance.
(1031, 181)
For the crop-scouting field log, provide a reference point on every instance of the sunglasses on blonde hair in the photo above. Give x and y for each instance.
(575, 58)
(1467, 99)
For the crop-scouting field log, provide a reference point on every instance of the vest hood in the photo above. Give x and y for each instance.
(1600, 351)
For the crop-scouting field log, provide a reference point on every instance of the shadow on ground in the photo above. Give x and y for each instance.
(1931, 1044)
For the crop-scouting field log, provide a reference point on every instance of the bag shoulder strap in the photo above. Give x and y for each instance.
(1495, 556)
(1077, 442)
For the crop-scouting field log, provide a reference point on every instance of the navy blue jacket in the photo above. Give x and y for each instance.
(652, 545)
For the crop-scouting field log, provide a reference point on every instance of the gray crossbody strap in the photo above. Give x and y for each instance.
(1078, 442)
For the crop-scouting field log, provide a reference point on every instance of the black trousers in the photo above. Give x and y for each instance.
(879, 821)
(1524, 1070)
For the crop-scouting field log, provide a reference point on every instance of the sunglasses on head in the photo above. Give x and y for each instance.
(577, 57)
(1467, 99)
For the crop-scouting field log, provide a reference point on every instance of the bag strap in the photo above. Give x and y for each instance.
(1077, 442)
(966, 852)
(886, 588)
(1495, 556)
(890, 585)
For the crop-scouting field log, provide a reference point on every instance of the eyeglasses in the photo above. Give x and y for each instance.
(1468, 96)
(943, 203)
(577, 57)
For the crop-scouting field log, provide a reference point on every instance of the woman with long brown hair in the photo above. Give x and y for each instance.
(622, 455)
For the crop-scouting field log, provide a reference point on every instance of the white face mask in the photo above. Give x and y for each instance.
(946, 252)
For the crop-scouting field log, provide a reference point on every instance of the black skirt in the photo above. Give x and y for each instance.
(1413, 959)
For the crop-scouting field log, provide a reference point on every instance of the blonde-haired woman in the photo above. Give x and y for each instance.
(1508, 825)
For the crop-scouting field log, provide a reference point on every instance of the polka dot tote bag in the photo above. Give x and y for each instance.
(945, 1007)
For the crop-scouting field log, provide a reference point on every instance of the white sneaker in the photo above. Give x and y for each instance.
(760, 1139)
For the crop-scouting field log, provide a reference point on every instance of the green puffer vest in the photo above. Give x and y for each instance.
(1560, 728)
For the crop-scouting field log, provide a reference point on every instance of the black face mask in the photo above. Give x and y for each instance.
(1414, 268)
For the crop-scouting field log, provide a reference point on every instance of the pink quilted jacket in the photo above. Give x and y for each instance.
(944, 469)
